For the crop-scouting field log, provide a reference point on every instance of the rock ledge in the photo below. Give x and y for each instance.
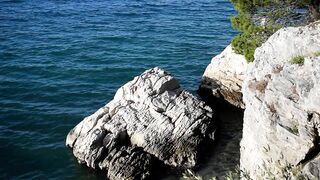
(223, 77)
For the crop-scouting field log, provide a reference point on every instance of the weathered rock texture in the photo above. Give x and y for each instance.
(150, 118)
(281, 120)
(224, 76)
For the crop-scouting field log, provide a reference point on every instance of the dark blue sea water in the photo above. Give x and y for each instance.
(60, 60)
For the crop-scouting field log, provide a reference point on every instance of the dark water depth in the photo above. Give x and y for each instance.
(60, 60)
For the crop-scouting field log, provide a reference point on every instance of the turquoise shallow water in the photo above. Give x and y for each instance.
(62, 60)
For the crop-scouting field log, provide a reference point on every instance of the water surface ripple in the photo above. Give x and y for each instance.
(62, 60)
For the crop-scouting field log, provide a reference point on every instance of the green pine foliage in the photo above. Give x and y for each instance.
(251, 35)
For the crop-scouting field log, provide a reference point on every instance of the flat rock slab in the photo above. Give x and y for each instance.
(151, 119)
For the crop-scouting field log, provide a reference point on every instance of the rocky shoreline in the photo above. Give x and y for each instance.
(153, 121)
(282, 104)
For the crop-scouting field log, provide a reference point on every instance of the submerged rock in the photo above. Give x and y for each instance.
(224, 76)
(281, 121)
(150, 119)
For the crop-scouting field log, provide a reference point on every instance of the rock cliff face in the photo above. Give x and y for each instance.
(151, 119)
(281, 120)
(224, 76)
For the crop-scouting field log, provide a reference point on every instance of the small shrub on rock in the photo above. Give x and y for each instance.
(317, 54)
(297, 60)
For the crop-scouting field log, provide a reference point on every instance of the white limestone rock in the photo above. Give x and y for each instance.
(223, 77)
(281, 120)
(150, 119)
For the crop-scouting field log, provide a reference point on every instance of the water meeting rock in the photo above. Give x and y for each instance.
(150, 120)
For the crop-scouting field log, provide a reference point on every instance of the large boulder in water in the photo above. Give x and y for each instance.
(281, 127)
(151, 119)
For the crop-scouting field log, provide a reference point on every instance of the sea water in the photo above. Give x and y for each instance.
(60, 60)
